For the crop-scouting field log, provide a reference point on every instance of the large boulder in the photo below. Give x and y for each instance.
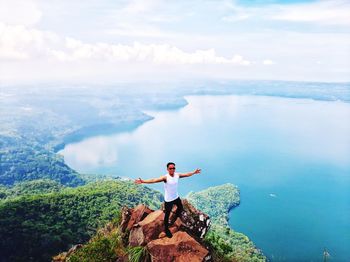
(193, 221)
(133, 216)
(147, 229)
(180, 248)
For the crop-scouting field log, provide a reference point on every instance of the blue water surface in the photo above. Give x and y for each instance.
(290, 157)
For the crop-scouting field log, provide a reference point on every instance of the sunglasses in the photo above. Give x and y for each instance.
(171, 167)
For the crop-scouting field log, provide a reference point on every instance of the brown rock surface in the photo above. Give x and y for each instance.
(148, 229)
(180, 248)
(134, 215)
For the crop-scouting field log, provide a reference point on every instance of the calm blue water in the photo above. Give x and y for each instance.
(289, 157)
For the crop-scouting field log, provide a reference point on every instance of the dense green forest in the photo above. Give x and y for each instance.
(34, 187)
(25, 162)
(216, 201)
(35, 227)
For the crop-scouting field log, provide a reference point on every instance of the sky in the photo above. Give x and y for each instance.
(104, 41)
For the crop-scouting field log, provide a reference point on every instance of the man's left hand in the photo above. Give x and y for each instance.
(197, 171)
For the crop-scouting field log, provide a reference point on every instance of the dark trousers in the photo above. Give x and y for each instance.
(168, 207)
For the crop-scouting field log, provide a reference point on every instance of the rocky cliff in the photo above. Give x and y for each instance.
(142, 229)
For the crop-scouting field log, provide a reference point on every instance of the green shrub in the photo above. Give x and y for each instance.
(99, 250)
(138, 254)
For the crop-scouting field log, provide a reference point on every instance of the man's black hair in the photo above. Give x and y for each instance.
(170, 163)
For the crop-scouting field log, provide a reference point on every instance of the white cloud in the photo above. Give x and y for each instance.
(19, 42)
(268, 62)
(19, 12)
(332, 12)
(154, 53)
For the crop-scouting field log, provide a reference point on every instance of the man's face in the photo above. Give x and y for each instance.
(171, 169)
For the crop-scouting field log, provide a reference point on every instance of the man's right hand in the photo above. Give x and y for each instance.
(138, 181)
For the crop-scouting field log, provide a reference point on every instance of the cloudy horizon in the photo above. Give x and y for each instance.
(111, 41)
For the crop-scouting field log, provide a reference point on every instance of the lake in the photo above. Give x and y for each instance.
(290, 158)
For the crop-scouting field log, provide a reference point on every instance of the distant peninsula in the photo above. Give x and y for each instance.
(217, 201)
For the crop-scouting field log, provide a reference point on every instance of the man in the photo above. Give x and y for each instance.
(171, 195)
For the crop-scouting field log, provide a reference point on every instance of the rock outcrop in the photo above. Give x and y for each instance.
(147, 229)
(133, 216)
(143, 227)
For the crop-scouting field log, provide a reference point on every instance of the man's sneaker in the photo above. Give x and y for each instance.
(168, 233)
(171, 222)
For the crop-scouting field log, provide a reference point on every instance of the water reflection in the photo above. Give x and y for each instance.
(315, 130)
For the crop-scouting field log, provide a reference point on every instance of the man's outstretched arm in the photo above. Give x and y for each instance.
(150, 181)
(197, 171)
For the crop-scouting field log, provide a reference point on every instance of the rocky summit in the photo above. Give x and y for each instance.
(142, 227)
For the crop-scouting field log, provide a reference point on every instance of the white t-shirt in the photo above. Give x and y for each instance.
(170, 187)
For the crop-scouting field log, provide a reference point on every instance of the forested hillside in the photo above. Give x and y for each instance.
(35, 227)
